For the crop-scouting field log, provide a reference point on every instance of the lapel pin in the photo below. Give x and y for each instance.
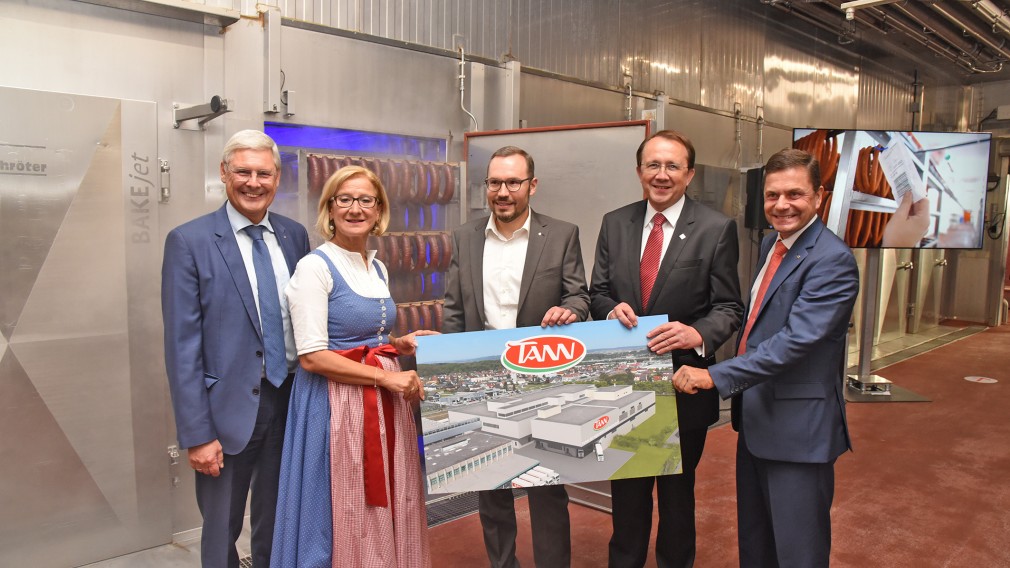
(683, 236)
(540, 234)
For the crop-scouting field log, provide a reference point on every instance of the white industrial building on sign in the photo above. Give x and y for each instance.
(568, 419)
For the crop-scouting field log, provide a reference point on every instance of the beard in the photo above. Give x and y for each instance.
(516, 213)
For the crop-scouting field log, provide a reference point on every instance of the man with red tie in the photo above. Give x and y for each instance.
(786, 383)
(668, 254)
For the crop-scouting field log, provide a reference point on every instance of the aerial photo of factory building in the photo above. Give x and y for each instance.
(482, 444)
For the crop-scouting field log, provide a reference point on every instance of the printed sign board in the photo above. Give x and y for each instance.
(542, 406)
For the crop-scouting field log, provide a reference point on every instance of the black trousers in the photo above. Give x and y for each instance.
(632, 518)
(549, 523)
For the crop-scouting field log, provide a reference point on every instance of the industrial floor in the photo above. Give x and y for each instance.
(925, 486)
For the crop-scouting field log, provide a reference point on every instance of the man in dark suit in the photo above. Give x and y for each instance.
(229, 349)
(686, 255)
(786, 384)
(516, 269)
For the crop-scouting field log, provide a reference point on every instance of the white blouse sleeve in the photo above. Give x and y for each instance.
(308, 294)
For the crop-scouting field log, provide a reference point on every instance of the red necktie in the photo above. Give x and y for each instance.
(649, 268)
(773, 265)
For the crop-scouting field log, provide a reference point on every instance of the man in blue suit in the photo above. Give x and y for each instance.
(229, 348)
(786, 383)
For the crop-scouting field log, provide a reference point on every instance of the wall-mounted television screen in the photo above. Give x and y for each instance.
(901, 189)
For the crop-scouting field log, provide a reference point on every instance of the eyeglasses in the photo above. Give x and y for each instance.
(510, 184)
(654, 167)
(243, 175)
(345, 201)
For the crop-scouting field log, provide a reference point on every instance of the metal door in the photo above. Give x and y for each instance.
(927, 283)
(83, 470)
(892, 317)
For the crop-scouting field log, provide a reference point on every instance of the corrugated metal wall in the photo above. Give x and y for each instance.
(884, 101)
(716, 54)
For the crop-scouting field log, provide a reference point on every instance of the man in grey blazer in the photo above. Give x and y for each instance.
(786, 383)
(515, 269)
(694, 265)
(229, 362)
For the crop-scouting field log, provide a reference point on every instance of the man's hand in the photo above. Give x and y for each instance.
(908, 224)
(689, 379)
(624, 314)
(558, 316)
(207, 459)
(673, 335)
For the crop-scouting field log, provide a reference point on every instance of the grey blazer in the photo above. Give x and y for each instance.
(553, 275)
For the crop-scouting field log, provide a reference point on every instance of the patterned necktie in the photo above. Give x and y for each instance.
(649, 268)
(270, 308)
(773, 265)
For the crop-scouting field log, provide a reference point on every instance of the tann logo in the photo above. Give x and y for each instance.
(543, 354)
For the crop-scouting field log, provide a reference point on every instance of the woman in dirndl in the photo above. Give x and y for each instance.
(350, 485)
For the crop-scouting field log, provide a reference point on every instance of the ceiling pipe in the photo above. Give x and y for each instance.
(941, 28)
(912, 30)
(981, 34)
(998, 17)
(826, 19)
(939, 39)
(934, 33)
(806, 17)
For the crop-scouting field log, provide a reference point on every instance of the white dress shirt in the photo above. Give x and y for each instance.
(504, 259)
(672, 214)
(239, 222)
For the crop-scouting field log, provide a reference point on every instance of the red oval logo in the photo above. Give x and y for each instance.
(601, 423)
(543, 354)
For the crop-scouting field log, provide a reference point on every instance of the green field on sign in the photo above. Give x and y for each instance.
(653, 454)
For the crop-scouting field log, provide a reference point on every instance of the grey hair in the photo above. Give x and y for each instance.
(250, 140)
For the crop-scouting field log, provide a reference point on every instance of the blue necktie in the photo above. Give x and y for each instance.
(270, 308)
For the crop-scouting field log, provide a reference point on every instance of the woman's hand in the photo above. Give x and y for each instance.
(406, 383)
(407, 344)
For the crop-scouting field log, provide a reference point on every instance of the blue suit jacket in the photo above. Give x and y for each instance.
(213, 342)
(787, 387)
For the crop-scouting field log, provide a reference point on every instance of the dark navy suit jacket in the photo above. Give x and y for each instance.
(213, 342)
(787, 387)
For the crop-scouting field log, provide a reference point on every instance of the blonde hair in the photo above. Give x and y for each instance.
(323, 224)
